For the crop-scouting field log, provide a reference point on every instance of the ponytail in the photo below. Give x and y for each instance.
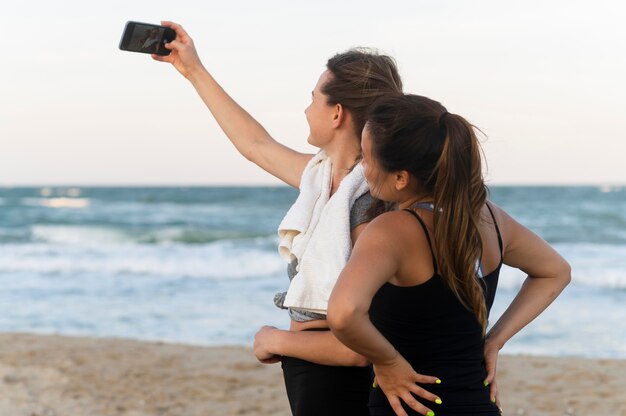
(459, 195)
(442, 152)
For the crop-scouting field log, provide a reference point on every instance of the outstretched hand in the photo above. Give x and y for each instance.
(398, 381)
(183, 55)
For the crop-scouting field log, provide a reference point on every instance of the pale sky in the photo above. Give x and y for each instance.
(545, 80)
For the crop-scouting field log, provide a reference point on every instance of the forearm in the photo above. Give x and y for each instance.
(240, 127)
(320, 347)
(535, 295)
(359, 334)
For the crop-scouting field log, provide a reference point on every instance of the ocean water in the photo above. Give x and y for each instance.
(200, 265)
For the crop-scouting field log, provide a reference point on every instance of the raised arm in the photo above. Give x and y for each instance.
(247, 135)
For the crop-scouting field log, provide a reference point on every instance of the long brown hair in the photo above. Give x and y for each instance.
(441, 150)
(360, 76)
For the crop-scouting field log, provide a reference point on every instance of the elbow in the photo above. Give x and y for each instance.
(563, 272)
(562, 278)
(336, 322)
(250, 154)
(566, 273)
(339, 317)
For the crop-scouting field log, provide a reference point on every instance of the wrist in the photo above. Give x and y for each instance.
(387, 359)
(274, 341)
(196, 73)
(493, 339)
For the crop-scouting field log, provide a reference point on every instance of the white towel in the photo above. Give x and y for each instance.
(316, 232)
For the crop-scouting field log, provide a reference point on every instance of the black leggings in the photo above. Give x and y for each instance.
(323, 390)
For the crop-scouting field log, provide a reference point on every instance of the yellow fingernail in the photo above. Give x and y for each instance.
(430, 413)
(493, 400)
(438, 401)
(486, 383)
(374, 384)
(438, 381)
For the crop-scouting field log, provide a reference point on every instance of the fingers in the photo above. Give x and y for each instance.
(272, 360)
(394, 402)
(490, 381)
(418, 391)
(491, 362)
(494, 395)
(491, 373)
(493, 392)
(420, 378)
(161, 58)
(415, 405)
(181, 34)
(174, 45)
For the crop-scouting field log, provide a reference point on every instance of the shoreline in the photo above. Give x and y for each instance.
(52, 375)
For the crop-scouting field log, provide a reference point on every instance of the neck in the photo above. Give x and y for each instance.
(410, 200)
(344, 152)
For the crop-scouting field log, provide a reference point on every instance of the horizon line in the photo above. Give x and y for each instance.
(270, 185)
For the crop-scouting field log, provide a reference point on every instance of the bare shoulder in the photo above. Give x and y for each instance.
(497, 210)
(383, 247)
(503, 219)
(510, 229)
(391, 221)
(392, 229)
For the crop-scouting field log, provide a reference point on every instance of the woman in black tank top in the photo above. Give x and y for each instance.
(416, 293)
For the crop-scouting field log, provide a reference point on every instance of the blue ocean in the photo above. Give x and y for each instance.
(199, 265)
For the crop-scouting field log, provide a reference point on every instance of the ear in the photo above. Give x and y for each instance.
(402, 179)
(340, 114)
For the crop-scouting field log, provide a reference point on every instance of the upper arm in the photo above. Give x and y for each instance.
(279, 160)
(356, 232)
(359, 217)
(525, 250)
(374, 260)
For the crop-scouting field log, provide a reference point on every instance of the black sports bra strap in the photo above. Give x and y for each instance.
(495, 223)
(430, 244)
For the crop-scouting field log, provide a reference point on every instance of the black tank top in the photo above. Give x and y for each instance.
(439, 337)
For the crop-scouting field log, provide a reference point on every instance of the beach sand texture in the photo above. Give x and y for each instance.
(70, 376)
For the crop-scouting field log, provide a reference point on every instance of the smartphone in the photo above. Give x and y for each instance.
(146, 38)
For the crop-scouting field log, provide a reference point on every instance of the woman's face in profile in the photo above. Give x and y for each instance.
(366, 149)
(377, 179)
(319, 114)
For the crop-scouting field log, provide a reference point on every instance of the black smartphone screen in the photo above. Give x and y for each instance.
(146, 38)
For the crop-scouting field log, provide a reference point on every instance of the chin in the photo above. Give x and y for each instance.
(312, 142)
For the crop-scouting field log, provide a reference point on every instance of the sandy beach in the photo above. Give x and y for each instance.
(70, 376)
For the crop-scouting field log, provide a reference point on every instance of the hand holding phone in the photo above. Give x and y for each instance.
(146, 38)
(184, 56)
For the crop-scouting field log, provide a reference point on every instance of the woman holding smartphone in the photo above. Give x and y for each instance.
(415, 294)
(322, 376)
